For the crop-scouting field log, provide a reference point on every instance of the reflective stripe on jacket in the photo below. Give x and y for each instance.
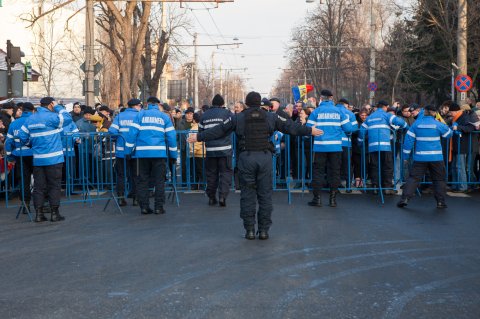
(425, 137)
(43, 131)
(378, 126)
(334, 124)
(212, 117)
(152, 135)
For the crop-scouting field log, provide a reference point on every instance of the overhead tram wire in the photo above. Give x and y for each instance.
(220, 32)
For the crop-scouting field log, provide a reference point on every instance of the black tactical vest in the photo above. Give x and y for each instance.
(257, 131)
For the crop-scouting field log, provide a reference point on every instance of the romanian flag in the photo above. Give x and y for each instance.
(300, 92)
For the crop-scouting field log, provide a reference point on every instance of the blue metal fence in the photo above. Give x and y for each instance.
(90, 168)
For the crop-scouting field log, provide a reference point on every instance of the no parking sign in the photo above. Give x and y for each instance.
(463, 83)
(372, 86)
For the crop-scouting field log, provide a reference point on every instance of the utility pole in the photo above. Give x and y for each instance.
(89, 54)
(213, 74)
(372, 51)
(227, 91)
(196, 70)
(221, 80)
(9, 70)
(195, 45)
(462, 43)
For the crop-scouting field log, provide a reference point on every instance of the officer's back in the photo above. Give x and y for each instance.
(333, 122)
(153, 134)
(379, 125)
(121, 125)
(43, 130)
(214, 116)
(425, 134)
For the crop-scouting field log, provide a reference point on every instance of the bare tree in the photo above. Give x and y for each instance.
(159, 38)
(126, 29)
(48, 56)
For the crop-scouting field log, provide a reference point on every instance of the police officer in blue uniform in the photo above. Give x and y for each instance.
(42, 131)
(254, 128)
(342, 105)
(424, 138)
(327, 148)
(379, 126)
(121, 125)
(218, 161)
(153, 138)
(16, 152)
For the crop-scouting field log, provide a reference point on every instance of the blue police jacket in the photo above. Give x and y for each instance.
(121, 125)
(68, 139)
(378, 126)
(425, 134)
(43, 131)
(334, 124)
(151, 134)
(13, 146)
(346, 139)
(277, 141)
(212, 117)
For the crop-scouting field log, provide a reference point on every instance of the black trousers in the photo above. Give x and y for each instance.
(346, 169)
(357, 165)
(219, 176)
(438, 175)
(332, 161)
(155, 168)
(198, 170)
(255, 172)
(386, 168)
(129, 167)
(48, 182)
(27, 163)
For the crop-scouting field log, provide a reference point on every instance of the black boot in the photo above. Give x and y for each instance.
(146, 211)
(333, 199)
(212, 201)
(222, 202)
(316, 201)
(135, 202)
(56, 217)
(159, 210)
(121, 201)
(402, 203)
(263, 234)
(441, 204)
(250, 234)
(39, 216)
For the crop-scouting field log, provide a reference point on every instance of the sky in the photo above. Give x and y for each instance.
(263, 26)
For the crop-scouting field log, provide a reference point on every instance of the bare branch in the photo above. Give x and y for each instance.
(36, 18)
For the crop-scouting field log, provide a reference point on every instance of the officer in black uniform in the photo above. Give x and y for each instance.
(218, 162)
(254, 128)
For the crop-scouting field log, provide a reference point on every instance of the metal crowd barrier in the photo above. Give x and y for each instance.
(90, 165)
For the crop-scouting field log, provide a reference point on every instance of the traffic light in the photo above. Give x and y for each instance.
(14, 55)
(28, 72)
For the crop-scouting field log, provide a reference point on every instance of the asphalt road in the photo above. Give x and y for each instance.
(359, 260)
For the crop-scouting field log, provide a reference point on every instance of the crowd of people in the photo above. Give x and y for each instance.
(320, 144)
